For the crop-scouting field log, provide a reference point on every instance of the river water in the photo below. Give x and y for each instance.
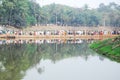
(54, 60)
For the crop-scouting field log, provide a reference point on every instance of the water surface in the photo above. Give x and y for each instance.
(54, 61)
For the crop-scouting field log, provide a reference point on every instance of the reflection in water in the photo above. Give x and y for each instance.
(42, 41)
(16, 60)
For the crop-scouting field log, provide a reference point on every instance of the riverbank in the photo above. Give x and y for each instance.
(54, 27)
(86, 37)
(109, 48)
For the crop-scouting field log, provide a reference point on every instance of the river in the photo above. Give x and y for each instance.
(54, 60)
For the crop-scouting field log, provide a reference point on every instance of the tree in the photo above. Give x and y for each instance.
(21, 13)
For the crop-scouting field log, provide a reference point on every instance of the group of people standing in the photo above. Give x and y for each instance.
(64, 32)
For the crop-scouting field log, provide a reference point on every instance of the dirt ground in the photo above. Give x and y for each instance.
(36, 28)
(68, 28)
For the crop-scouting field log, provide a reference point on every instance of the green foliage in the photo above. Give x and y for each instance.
(28, 13)
(116, 51)
(106, 49)
(110, 48)
(19, 12)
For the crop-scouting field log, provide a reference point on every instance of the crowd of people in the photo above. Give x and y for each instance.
(62, 32)
(43, 41)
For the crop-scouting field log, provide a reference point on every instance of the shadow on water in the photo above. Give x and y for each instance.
(16, 58)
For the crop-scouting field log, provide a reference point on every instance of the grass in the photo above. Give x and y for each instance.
(109, 48)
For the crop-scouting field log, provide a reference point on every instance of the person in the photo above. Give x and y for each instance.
(30, 33)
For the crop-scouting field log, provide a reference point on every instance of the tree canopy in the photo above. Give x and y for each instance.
(21, 13)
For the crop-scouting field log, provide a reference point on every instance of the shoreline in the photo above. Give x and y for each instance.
(96, 37)
(109, 48)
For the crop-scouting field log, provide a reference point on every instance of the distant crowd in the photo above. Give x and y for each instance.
(61, 32)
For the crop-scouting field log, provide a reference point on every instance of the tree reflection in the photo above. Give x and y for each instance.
(15, 59)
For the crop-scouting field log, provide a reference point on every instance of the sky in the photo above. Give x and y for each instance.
(77, 3)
